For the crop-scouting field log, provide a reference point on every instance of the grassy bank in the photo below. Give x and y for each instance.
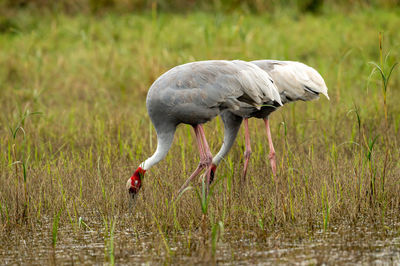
(72, 91)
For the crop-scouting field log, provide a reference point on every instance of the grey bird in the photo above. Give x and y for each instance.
(195, 93)
(295, 81)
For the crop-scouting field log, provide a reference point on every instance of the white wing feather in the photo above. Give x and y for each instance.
(294, 76)
(258, 84)
(294, 79)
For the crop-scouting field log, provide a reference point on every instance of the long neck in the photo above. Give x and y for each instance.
(164, 141)
(231, 127)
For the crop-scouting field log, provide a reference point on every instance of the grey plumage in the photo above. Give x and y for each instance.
(195, 93)
(294, 80)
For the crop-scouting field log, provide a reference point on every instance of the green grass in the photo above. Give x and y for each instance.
(338, 161)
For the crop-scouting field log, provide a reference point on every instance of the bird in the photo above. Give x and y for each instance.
(295, 81)
(195, 93)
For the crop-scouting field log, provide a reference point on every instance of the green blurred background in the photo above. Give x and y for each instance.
(253, 6)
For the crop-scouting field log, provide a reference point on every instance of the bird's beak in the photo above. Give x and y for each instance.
(132, 193)
(131, 190)
(132, 200)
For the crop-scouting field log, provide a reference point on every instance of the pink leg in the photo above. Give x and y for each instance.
(271, 147)
(204, 155)
(247, 152)
(208, 156)
(194, 174)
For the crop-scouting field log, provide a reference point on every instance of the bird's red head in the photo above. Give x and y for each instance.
(135, 182)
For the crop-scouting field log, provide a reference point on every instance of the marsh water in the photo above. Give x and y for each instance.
(351, 245)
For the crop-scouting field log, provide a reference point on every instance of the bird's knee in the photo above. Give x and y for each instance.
(272, 155)
(247, 154)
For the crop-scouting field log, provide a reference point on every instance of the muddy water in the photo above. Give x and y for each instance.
(360, 245)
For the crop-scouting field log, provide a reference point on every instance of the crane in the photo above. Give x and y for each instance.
(295, 81)
(195, 93)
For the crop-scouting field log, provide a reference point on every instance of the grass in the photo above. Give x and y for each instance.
(338, 161)
(56, 220)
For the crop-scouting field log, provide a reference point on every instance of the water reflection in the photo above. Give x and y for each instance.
(351, 245)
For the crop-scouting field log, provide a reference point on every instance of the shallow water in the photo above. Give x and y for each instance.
(359, 245)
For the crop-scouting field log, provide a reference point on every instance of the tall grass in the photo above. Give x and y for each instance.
(88, 76)
(20, 157)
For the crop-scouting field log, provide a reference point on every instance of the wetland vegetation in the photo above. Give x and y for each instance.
(74, 126)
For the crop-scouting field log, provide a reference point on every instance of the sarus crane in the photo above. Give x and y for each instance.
(195, 93)
(295, 81)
